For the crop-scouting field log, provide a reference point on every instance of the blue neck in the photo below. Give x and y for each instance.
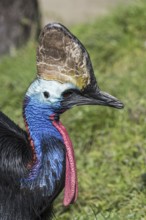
(46, 140)
(40, 125)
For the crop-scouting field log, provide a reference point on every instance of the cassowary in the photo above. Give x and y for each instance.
(37, 164)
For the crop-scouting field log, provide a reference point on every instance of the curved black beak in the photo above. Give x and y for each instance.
(92, 98)
(102, 98)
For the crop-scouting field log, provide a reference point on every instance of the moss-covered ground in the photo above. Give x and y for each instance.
(110, 144)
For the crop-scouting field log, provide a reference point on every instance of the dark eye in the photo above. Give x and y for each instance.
(46, 94)
(67, 93)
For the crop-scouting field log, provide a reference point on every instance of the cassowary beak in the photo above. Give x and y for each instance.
(101, 98)
(92, 98)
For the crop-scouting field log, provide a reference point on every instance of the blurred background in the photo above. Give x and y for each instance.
(110, 144)
(77, 11)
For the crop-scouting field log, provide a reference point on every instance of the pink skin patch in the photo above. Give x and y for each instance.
(71, 184)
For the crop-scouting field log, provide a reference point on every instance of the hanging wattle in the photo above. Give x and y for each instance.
(71, 183)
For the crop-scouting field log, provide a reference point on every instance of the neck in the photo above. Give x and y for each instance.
(39, 126)
(53, 149)
(47, 149)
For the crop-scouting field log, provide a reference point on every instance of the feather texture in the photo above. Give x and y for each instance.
(15, 151)
(22, 203)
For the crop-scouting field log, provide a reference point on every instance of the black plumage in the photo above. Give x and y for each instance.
(15, 154)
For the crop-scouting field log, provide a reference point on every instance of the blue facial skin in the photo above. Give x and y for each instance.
(48, 144)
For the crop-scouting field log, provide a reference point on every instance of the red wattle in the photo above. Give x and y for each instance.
(71, 184)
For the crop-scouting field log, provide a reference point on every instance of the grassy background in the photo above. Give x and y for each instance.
(110, 144)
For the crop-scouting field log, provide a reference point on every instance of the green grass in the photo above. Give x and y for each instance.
(110, 144)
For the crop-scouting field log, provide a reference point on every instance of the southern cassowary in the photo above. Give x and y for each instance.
(37, 164)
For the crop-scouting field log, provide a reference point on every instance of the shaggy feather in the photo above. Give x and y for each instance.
(17, 203)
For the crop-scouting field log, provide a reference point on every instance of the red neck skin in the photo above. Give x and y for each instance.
(71, 184)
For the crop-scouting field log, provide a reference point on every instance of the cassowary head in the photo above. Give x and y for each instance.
(65, 74)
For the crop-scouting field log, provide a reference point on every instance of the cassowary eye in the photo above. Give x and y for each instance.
(46, 94)
(67, 93)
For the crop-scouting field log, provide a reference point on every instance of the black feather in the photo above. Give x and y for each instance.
(15, 151)
(18, 203)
